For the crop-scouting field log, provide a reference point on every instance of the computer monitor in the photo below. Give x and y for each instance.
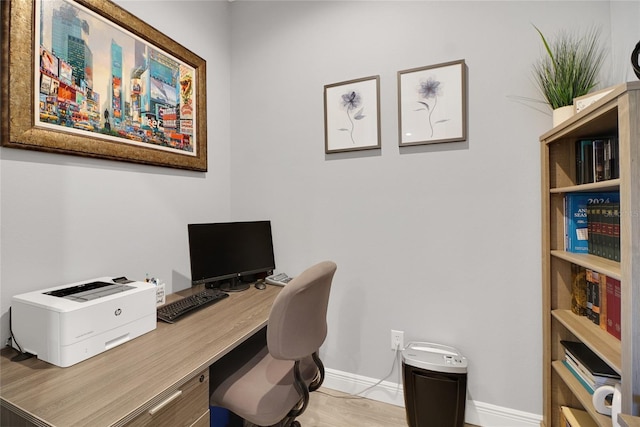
(230, 254)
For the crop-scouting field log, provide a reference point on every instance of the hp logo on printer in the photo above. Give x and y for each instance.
(118, 312)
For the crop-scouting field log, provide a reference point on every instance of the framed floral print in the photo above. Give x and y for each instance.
(432, 104)
(352, 115)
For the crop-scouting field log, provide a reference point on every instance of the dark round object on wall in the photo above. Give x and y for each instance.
(634, 60)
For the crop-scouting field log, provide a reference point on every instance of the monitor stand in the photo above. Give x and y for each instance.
(234, 285)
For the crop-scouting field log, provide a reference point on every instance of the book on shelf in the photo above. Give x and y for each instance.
(611, 163)
(578, 290)
(584, 161)
(615, 232)
(596, 370)
(593, 229)
(578, 375)
(596, 291)
(597, 297)
(613, 291)
(593, 296)
(571, 417)
(603, 230)
(602, 289)
(606, 230)
(576, 217)
(589, 309)
(593, 381)
(596, 159)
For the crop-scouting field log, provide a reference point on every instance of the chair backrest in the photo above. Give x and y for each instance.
(298, 320)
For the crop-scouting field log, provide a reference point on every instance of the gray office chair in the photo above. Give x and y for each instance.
(270, 385)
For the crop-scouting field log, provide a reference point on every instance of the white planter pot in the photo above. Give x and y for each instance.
(561, 114)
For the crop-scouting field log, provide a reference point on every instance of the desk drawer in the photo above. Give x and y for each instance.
(183, 408)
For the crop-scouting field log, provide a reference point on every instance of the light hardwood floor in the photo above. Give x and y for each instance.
(330, 408)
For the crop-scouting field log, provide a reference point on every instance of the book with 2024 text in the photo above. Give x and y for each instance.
(576, 226)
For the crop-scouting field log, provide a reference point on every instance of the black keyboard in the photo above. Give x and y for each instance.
(173, 311)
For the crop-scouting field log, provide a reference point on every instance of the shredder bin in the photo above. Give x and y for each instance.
(435, 385)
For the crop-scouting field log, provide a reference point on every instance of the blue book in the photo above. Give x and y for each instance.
(584, 161)
(578, 376)
(575, 211)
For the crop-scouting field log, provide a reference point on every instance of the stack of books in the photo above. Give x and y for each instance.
(591, 371)
(603, 229)
(598, 297)
(597, 160)
(591, 229)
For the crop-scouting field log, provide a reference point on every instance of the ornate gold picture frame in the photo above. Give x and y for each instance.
(88, 78)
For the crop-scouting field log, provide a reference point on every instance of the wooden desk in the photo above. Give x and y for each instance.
(122, 384)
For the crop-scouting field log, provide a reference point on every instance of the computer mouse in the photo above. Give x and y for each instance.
(261, 285)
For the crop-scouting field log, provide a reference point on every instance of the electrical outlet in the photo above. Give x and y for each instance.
(397, 340)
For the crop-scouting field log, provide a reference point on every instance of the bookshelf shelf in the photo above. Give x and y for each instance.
(609, 185)
(629, 421)
(606, 346)
(609, 267)
(616, 115)
(580, 393)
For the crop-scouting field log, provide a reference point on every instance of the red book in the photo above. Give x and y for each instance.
(613, 306)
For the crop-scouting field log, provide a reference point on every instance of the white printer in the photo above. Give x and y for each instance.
(67, 324)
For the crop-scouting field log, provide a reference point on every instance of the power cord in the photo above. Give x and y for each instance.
(357, 395)
(21, 354)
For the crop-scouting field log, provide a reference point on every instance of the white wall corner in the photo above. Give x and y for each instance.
(476, 413)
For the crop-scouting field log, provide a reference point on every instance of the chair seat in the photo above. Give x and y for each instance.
(266, 380)
(259, 390)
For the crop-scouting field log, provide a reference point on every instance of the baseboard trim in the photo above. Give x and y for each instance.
(477, 413)
(486, 414)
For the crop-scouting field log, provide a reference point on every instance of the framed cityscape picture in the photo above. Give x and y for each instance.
(352, 115)
(432, 104)
(86, 77)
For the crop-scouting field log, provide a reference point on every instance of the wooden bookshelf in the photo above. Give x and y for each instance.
(616, 114)
(580, 393)
(629, 421)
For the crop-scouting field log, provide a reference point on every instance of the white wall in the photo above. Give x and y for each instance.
(66, 218)
(439, 241)
(442, 241)
(625, 34)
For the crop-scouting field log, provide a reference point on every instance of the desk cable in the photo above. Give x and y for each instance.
(21, 354)
(357, 395)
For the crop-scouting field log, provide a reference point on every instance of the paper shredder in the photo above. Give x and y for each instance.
(435, 385)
